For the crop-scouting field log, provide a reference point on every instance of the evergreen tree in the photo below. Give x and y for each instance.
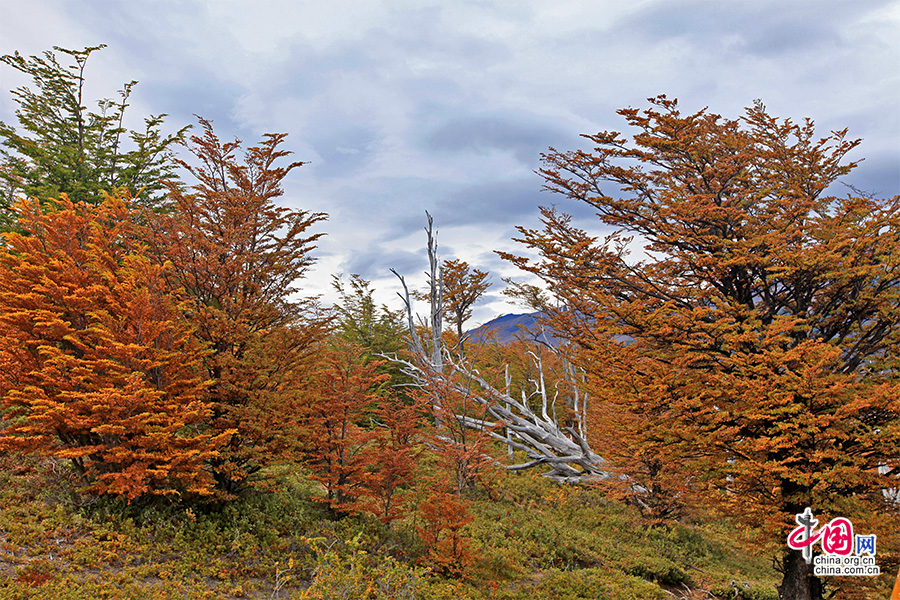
(61, 147)
(378, 330)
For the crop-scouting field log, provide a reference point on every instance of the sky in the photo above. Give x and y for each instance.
(405, 106)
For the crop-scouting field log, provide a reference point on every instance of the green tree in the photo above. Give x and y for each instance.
(377, 330)
(758, 343)
(62, 147)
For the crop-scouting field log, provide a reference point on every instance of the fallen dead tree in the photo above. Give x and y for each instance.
(563, 450)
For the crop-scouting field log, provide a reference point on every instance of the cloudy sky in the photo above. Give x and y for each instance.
(407, 106)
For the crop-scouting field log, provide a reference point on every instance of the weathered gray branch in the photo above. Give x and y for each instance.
(539, 436)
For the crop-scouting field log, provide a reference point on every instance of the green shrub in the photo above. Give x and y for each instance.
(585, 584)
(347, 572)
(742, 590)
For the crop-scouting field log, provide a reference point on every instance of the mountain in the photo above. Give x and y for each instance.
(508, 328)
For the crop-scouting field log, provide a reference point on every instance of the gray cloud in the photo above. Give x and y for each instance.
(489, 205)
(524, 136)
(376, 261)
(407, 105)
(343, 149)
(879, 176)
(769, 28)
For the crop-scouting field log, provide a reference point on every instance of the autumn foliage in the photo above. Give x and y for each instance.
(752, 351)
(337, 443)
(160, 351)
(238, 256)
(448, 550)
(105, 372)
(463, 444)
(394, 455)
(461, 287)
(731, 344)
(360, 440)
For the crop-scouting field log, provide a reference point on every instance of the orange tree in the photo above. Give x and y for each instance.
(394, 455)
(358, 438)
(461, 287)
(755, 341)
(447, 550)
(238, 256)
(99, 367)
(336, 442)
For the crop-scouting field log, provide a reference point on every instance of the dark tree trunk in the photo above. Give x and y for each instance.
(798, 582)
(459, 334)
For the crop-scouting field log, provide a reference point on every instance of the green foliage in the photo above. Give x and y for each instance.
(148, 549)
(743, 590)
(586, 584)
(536, 540)
(377, 330)
(348, 572)
(61, 147)
(534, 526)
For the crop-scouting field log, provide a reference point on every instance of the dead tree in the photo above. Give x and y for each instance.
(545, 443)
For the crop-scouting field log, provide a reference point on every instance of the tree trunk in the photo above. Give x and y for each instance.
(798, 582)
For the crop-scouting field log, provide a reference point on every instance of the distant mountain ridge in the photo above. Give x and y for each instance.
(508, 328)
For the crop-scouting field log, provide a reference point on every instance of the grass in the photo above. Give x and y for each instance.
(533, 539)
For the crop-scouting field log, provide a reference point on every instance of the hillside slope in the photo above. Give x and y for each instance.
(507, 328)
